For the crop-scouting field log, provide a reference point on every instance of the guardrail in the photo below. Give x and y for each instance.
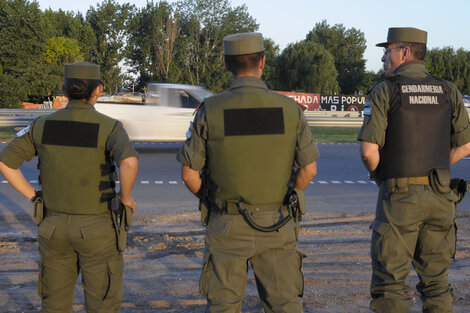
(350, 119)
(22, 117)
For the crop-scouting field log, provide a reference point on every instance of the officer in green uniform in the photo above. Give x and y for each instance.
(245, 143)
(77, 150)
(415, 127)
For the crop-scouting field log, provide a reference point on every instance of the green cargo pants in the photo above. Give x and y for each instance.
(417, 227)
(69, 244)
(231, 244)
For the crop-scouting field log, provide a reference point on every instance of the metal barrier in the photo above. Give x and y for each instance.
(349, 122)
(22, 117)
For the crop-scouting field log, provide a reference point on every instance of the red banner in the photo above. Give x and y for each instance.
(309, 100)
(318, 102)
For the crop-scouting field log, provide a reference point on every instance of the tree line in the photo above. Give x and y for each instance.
(180, 42)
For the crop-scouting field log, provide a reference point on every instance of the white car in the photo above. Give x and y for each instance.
(165, 114)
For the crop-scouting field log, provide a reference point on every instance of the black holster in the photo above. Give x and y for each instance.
(459, 187)
(204, 204)
(121, 215)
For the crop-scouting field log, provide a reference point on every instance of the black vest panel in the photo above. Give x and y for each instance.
(419, 126)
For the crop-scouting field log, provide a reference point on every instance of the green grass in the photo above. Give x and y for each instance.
(7, 133)
(334, 134)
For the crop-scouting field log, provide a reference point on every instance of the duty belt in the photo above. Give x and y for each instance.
(420, 180)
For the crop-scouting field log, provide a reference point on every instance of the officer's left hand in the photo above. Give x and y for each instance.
(129, 202)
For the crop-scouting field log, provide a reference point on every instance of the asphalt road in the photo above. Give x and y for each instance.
(341, 185)
(165, 244)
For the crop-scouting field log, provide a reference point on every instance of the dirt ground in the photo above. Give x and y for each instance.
(164, 256)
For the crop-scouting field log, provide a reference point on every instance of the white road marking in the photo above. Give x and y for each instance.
(175, 182)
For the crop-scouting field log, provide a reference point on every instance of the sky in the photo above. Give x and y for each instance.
(285, 22)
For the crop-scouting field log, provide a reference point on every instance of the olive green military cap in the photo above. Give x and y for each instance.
(405, 34)
(243, 43)
(82, 70)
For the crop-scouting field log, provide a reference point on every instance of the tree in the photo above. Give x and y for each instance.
(451, 65)
(152, 43)
(72, 26)
(307, 67)
(109, 21)
(203, 24)
(270, 72)
(370, 79)
(347, 47)
(61, 50)
(22, 44)
(12, 91)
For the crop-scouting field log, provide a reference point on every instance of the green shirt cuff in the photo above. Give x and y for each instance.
(369, 134)
(11, 159)
(307, 155)
(461, 138)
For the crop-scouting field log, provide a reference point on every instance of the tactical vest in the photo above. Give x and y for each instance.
(419, 126)
(76, 173)
(250, 148)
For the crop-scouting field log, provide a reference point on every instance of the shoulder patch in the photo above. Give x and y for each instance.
(367, 107)
(24, 131)
(190, 130)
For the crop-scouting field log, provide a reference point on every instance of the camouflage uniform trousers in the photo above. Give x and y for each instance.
(416, 227)
(231, 244)
(69, 244)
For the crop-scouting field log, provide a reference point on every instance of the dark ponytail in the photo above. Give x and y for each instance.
(80, 88)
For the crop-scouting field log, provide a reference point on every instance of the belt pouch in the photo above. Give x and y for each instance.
(440, 180)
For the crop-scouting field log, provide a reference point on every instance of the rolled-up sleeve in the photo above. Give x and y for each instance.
(460, 123)
(20, 149)
(375, 116)
(193, 151)
(119, 145)
(306, 151)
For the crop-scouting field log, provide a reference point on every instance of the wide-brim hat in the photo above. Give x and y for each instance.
(404, 34)
(82, 70)
(243, 43)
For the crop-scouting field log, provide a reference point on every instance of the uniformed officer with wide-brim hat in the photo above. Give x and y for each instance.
(77, 149)
(232, 141)
(415, 126)
(405, 34)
